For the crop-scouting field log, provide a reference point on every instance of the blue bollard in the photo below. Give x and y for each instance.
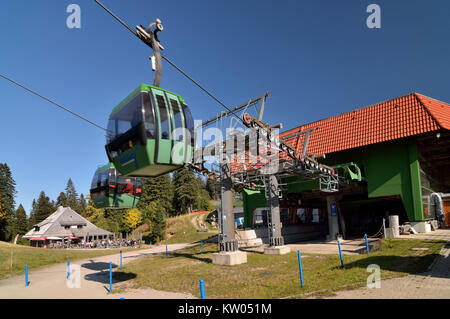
(367, 243)
(26, 275)
(340, 253)
(110, 277)
(300, 267)
(120, 259)
(68, 269)
(167, 253)
(201, 243)
(202, 289)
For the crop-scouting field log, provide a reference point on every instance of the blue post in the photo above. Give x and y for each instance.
(120, 259)
(68, 269)
(201, 243)
(26, 275)
(367, 243)
(202, 289)
(340, 253)
(167, 254)
(110, 277)
(300, 266)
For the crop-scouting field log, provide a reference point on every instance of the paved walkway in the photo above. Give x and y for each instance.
(439, 234)
(50, 282)
(435, 283)
(348, 247)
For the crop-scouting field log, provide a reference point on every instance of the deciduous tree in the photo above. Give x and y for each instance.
(132, 219)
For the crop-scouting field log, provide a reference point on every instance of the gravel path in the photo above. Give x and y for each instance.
(50, 282)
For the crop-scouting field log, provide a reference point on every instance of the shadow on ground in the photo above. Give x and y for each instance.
(406, 264)
(103, 277)
(195, 256)
(95, 265)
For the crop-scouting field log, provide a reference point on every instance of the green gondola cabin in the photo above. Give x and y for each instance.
(151, 133)
(111, 190)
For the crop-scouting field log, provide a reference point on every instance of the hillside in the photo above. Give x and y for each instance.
(181, 229)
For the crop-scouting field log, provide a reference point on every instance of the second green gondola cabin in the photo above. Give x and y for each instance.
(150, 133)
(111, 190)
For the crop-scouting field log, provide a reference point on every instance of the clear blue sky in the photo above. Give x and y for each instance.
(316, 58)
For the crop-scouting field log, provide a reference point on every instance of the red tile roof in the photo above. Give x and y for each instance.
(404, 116)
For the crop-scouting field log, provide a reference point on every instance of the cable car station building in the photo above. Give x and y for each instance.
(393, 155)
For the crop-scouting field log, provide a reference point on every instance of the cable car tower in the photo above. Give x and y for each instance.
(250, 156)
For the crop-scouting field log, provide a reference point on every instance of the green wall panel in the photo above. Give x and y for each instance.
(252, 199)
(390, 168)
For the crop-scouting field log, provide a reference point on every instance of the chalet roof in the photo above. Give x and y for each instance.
(55, 225)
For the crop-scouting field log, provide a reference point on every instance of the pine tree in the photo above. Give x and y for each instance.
(44, 208)
(213, 188)
(114, 218)
(186, 191)
(157, 189)
(32, 218)
(7, 194)
(81, 205)
(159, 226)
(61, 200)
(21, 221)
(2, 211)
(154, 217)
(71, 195)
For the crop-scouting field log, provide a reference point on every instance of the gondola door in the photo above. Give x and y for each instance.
(112, 188)
(178, 135)
(164, 144)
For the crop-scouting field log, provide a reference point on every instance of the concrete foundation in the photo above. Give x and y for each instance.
(421, 227)
(230, 258)
(392, 232)
(277, 250)
(248, 238)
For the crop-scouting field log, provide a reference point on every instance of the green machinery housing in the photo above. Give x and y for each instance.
(385, 169)
(151, 133)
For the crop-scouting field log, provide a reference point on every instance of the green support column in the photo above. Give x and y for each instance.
(416, 188)
(252, 199)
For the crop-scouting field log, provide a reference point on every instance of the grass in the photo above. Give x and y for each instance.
(271, 277)
(183, 230)
(38, 257)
